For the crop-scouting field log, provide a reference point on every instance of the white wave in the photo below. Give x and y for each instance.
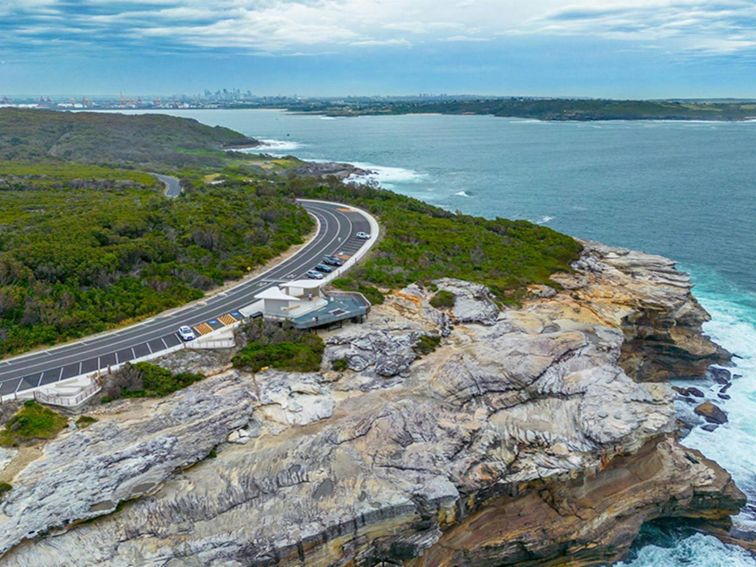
(463, 194)
(544, 219)
(698, 549)
(731, 445)
(278, 145)
(386, 175)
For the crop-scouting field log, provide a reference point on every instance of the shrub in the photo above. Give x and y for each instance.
(4, 488)
(85, 421)
(443, 299)
(371, 293)
(31, 423)
(422, 243)
(340, 364)
(279, 346)
(426, 344)
(145, 380)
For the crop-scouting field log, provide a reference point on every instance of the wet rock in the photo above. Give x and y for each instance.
(709, 427)
(722, 396)
(695, 392)
(711, 413)
(719, 375)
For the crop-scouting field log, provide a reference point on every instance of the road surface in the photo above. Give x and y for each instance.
(337, 228)
(172, 184)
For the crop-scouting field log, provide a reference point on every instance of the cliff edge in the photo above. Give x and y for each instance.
(462, 436)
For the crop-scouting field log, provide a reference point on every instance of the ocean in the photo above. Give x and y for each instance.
(686, 190)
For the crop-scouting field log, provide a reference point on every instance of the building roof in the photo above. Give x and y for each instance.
(275, 293)
(304, 284)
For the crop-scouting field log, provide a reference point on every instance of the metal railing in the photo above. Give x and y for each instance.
(68, 401)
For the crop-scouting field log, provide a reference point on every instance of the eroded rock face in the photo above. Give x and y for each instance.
(473, 302)
(519, 419)
(651, 302)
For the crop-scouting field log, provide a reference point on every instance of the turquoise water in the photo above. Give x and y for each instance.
(686, 190)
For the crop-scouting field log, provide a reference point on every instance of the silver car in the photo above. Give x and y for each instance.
(314, 275)
(363, 236)
(186, 333)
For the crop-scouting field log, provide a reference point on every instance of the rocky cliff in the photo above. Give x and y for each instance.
(511, 436)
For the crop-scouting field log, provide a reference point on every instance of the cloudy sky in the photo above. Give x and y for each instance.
(618, 48)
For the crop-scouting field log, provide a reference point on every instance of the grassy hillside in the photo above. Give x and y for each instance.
(84, 248)
(90, 137)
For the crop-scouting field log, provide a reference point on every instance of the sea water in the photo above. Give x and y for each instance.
(686, 190)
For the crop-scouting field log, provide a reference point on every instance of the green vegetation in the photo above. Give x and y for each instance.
(371, 293)
(145, 380)
(33, 422)
(543, 109)
(151, 140)
(4, 489)
(85, 248)
(423, 243)
(340, 364)
(443, 299)
(426, 344)
(85, 421)
(279, 346)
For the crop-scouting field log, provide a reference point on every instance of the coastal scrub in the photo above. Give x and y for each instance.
(33, 422)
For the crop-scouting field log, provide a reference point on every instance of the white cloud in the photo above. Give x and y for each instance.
(296, 26)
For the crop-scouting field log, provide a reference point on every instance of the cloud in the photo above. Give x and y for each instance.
(310, 26)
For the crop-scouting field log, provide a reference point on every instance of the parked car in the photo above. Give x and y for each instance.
(323, 268)
(186, 333)
(314, 275)
(363, 236)
(333, 261)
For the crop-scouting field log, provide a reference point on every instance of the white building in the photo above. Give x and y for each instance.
(292, 299)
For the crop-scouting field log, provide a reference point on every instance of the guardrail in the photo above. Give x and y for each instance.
(68, 401)
(31, 392)
(211, 344)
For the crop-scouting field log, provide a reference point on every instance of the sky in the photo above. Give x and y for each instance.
(607, 48)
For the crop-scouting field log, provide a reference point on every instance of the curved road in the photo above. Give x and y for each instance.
(338, 226)
(172, 184)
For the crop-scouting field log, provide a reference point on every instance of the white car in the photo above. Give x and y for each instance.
(363, 236)
(186, 333)
(314, 275)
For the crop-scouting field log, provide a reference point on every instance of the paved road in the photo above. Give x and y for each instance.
(336, 235)
(172, 184)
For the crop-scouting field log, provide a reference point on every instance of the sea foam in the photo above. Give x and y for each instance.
(698, 549)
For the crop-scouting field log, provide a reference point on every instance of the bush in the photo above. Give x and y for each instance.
(145, 380)
(443, 300)
(31, 423)
(77, 259)
(426, 344)
(4, 488)
(422, 243)
(340, 364)
(85, 421)
(279, 346)
(371, 293)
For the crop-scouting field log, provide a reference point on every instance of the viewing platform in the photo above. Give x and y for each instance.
(307, 306)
